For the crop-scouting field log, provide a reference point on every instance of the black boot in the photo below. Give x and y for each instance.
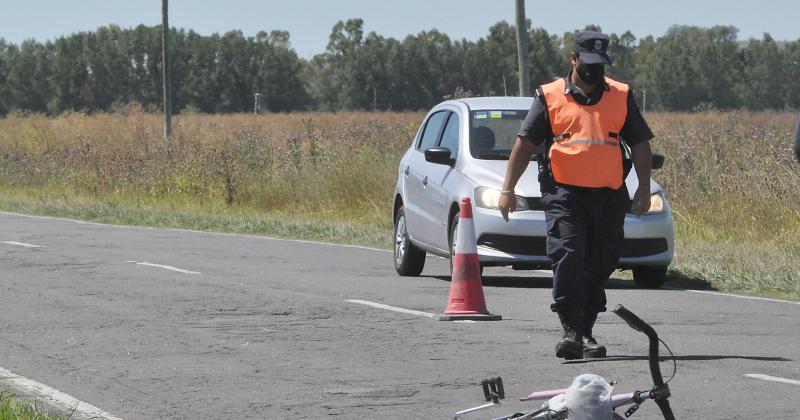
(571, 346)
(591, 350)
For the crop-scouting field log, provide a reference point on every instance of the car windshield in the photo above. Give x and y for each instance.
(493, 133)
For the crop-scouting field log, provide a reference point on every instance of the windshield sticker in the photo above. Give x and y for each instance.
(511, 113)
(481, 115)
(495, 114)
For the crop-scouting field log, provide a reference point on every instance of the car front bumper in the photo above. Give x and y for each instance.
(521, 242)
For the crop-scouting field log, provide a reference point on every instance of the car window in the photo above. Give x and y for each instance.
(450, 135)
(432, 129)
(493, 133)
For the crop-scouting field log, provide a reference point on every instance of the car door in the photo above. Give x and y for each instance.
(436, 203)
(418, 222)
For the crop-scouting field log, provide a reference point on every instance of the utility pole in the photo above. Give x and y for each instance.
(522, 50)
(166, 67)
(644, 100)
(257, 105)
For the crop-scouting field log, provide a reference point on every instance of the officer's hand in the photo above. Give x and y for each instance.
(641, 200)
(507, 204)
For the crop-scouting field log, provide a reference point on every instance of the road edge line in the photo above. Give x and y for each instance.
(706, 292)
(53, 397)
(243, 235)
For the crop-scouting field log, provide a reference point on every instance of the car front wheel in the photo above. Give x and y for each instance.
(408, 259)
(649, 277)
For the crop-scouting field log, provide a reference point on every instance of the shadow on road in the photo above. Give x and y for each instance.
(679, 358)
(675, 280)
(531, 282)
(684, 281)
(512, 282)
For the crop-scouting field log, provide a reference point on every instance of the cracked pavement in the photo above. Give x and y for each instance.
(265, 331)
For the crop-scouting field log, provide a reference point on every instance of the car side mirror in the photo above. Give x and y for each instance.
(658, 161)
(439, 155)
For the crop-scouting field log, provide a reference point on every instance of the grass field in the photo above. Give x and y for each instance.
(13, 408)
(730, 178)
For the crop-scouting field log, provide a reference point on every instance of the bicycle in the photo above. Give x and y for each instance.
(493, 388)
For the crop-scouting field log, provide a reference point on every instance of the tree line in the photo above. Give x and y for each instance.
(688, 68)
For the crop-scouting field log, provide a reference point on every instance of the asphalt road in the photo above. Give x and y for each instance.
(256, 327)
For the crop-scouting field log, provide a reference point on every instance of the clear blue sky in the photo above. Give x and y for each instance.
(309, 21)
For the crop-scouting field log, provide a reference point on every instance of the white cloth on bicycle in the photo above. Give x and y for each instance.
(589, 398)
(556, 403)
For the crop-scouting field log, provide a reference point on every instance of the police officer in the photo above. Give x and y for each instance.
(586, 125)
(797, 141)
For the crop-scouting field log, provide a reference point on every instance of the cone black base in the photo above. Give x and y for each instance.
(469, 317)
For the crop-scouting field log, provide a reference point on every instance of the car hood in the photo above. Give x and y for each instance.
(492, 173)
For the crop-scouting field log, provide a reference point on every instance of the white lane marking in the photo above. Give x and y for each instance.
(405, 311)
(22, 244)
(546, 272)
(240, 235)
(166, 267)
(392, 308)
(740, 296)
(772, 378)
(53, 397)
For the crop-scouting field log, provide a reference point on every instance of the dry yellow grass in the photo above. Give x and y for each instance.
(730, 178)
(735, 188)
(308, 162)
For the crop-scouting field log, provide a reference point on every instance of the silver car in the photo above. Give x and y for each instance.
(461, 150)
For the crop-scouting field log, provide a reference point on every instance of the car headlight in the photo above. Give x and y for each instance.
(656, 203)
(489, 198)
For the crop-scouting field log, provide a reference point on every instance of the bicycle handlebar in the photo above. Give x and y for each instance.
(493, 388)
(661, 390)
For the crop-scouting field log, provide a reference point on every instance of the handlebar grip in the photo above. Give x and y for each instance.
(634, 321)
(652, 357)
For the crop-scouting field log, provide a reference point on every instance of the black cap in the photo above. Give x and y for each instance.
(592, 47)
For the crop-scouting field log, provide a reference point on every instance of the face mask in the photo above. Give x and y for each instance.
(591, 74)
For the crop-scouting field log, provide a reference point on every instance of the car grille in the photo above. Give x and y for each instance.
(642, 247)
(535, 203)
(521, 245)
(537, 245)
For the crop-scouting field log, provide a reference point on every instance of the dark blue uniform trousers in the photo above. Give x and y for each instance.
(584, 236)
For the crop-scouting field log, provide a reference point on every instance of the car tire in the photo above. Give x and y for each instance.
(647, 277)
(452, 240)
(408, 259)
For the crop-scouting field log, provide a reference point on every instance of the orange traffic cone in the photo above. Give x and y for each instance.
(466, 289)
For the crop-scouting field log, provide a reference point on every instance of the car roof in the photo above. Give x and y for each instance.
(497, 102)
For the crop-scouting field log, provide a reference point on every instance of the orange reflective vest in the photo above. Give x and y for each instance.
(585, 151)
